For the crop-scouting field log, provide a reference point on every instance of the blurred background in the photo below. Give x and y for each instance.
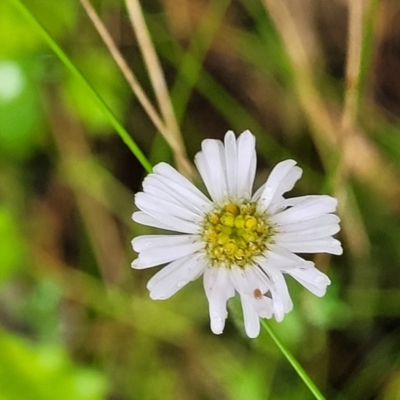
(315, 81)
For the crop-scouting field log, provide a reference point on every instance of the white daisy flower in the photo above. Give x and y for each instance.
(240, 242)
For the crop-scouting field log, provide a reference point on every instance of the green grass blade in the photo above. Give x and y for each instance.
(126, 138)
(294, 363)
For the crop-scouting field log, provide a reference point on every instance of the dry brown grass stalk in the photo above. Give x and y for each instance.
(172, 133)
(123, 66)
(359, 156)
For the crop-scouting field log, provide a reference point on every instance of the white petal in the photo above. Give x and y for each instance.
(294, 201)
(153, 242)
(156, 211)
(145, 219)
(253, 284)
(174, 276)
(173, 192)
(175, 223)
(218, 289)
(165, 254)
(211, 164)
(282, 179)
(324, 220)
(245, 282)
(317, 232)
(165, 271)
(246, 164)
(165, 170)
(312, 279)
(231, 163)
(258, 193)
(308, 207)
(282, 259)
(162, 199)
(251, 319)
(327, 245)
(263, 305)
(280, 294)
(149, 203)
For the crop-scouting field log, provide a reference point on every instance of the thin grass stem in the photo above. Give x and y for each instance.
(158, 82)
(123, 66)
(354, 50)
(294, 363)
(354, 228)
(126, 138)
(359, 49)
(322, 126)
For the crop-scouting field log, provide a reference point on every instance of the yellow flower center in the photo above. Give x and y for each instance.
(235, 234)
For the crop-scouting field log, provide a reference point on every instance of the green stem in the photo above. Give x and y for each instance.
(126, 138)
(297, 367)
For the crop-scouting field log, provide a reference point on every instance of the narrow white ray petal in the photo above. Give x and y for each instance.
(149, 203)
(326, 245)
(286, 185)
(258, 193)
(165, 254)
(253, 285)
(175, 276)
(281, 294)
(206, 175)
(246, 164)
(214, 152)
(312, 279)
(311, 207)
(290, 179)
(265, 306)
(148, 242)
(218, 289)
(251, 319)
(211, 164)
(279, 181)
(137, 264)
(165, 170)
(201, 165)
(145, 219)
(262, 305)
(324, 220)
(164, 198)
(249, 281)
(282, 259)
(276, 260)
(168, 269)
(175, 223)
(160, 186)
(231, 163)
(294, 201)
(318, 232)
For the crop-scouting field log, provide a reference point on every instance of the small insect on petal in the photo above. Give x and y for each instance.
(257, 294)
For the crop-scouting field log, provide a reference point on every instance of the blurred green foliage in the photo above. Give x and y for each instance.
(41, 372)
(19, 110)
(12, 249)
(107, 83)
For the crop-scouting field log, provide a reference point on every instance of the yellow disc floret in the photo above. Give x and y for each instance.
(236, 233)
